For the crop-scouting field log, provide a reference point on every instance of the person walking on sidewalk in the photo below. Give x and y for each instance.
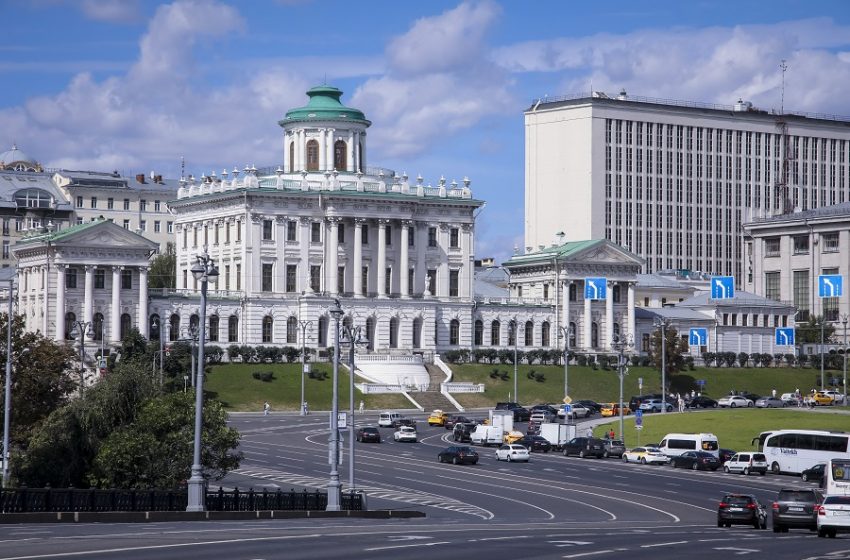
(266, 408)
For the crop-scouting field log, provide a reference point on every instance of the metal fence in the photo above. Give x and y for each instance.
(37, 500)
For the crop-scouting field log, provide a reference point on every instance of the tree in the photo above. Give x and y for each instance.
(809, 333)
(163, 269)
(675, 346)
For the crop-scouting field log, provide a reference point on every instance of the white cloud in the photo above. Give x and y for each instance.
(116, 11)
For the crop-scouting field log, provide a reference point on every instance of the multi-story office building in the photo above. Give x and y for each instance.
(674, 181)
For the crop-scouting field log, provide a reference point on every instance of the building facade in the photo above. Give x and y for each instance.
(672, 181)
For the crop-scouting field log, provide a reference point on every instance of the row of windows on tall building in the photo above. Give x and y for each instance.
(801, 293)
(158, 206)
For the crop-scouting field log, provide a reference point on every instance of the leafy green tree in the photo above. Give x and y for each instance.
(674, 345)
(163, 269)
(809, 333)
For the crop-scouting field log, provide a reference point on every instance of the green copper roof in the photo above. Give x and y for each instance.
(324, 105)
(559, 251)
(63, 233)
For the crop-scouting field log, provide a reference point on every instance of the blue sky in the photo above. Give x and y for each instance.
(133, 86)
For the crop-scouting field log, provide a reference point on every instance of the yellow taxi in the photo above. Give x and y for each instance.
(613, 409)
(513, 436)
(437, 418)
(823, 399)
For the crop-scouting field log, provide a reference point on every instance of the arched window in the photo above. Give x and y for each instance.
(370, 332)
(417, 333)
(194, 321)
(233, 329)
(512, 328)
(292, 157)
(394, 332)
(529, 334)
(155, 326)
(312, 155)
(268, 324)
(70, 319)
(340, 155)
(214, 322)
(617, 329)
(323, 332)
(348, 322)
(478, 337)
(97, 326)
(126, 325)
(573, 290)
(495, 333)
(544, 334)
(174, 331)
(292, 330)
(594, 335)
(616, 293)
(454, 332)
(572, 335)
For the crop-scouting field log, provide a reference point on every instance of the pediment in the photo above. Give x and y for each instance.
(108, 235)
(605, 253)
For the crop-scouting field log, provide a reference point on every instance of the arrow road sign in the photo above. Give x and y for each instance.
(785, 336)
(698, 337)
(722, 287)
(830, 285)
(595, 288)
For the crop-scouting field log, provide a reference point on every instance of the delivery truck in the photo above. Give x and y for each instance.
(557, 434)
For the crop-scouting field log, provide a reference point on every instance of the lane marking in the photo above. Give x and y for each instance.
(404, 546)
(580, 554)
(663, 544)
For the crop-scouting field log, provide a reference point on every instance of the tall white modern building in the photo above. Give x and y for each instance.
(673, 181)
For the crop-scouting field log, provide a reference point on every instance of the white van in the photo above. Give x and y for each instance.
(486, 435)
(386, 419)
(674, 445)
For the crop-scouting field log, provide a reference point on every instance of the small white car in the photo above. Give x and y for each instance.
(834, 516)
(836, 396)
(746, 463)
(790, 399)
(578, 411)
(734, 401)
(406, 434)
(645, 456)
(512, 452)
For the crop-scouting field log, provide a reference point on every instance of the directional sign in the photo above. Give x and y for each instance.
(638, 418)
(595, 288)
(830, 285)
(698, 337)
(568, 409)
(785, 336)
(722, 287)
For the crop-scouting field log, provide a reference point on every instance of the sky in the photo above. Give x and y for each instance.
(134, 85)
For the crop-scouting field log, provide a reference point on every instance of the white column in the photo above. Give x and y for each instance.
(333, 257)
(609, 316)
(467, 266)
(382, 258)
(363, 151)
(356, 151)
(588, 319)
(421, 272)
(443, 271)
(143, 301)
(329, 147)
(115, 327)
(303, 280)
(45, 314)
(631, 313)
(88, 295)
(349, 156)
(323, 146)
(357, 273)
(59, 335)
(565, 299)
(404, 260)
(302, 150)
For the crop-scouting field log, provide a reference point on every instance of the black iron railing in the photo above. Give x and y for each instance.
(39, 500)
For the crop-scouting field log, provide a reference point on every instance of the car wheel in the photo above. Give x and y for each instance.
(440, 459)
(719, 523)
(732, 405)
(725, 469)
(821, 533)
(695, 467)
(605, 455)
(832, 533)
(762, 473)
(643, 460)
(454, 460)
(777, 528)
(359, 440)
(746, 471)
(509, 459)
(581, 454)
(713, 406)
(566, 454)
(774, 468)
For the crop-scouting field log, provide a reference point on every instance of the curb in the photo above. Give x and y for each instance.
(166, 516)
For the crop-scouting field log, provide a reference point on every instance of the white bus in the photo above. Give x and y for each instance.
(674, 445)
(793, 451)
(836, 477)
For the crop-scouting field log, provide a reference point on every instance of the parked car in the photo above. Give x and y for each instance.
(368, 434)
(741, 509)
(821, 399)
(576, 411)
(790, 399)
(462, 431)
(521, 414)
(399, 422)
(749, 396)
(453, 419)
(541, 416)
(535, 444)
(837, 397)
(702, 402)
(548, 408)
(746, 463)
(655, 405)
(458, 454)
(696, 460)
(613, 448)
(593, 406)
(770, 402)
(437, 418)
(645, 456)
(512, 452)
(613, 409)
(834, 516)
(814, 474)
(533, 429)
(406, 434)
(734, 401)
(796, 507)
(584, 447)
(512, 436)
(386, 419)
(725, 454)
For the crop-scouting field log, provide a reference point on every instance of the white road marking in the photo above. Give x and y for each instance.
(404, 546)
(594, 553)
(663, 544)
(570, 543)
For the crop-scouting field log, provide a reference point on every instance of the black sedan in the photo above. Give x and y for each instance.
(702, 402)
(368, 434)
(813, 474)
(741, 509)
(593, 406)
(455, 419)
(725, 454)
(696, 460)
(458, 454)
(535, 444)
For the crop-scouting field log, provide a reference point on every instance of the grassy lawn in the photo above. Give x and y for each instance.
(235, 387)
(734, 429)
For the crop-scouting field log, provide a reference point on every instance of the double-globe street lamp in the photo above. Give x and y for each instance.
(514, 328)
(351, 336)
(622, 344)
(81, 330)
(205, 272)
(304, 325)
(566, 332)
(334, 497)
(663, 324)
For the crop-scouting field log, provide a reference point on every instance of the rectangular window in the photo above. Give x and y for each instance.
(157, 226)
(830, 242)
(291, 275)
(79, 202)
(238, 276)
(771, 285)
(143, 225)
(126, 224)
(227, 277)
(454, 283)
(157, 206)
(801, 294)
(432, 237)
(410, 281)
(316, 277)
(169, 227)
(388, 236)
(340, 279)
(143, 205)
(126, 204)
(238, 231)
(5, 248)
(454, 238)
(315, 232)
(185, 279)
(771, 247)
(432, 280)
(365, 235)
(110, 203)
(291, 227)
(127, 279)
(364, 278)
(801, 244)
(267, 230)
(99, 279)
(268, 272)
(830, 305)
(388, 280)
(340, 234)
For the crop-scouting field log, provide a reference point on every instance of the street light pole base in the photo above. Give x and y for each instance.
(196, 493)
(334, 496)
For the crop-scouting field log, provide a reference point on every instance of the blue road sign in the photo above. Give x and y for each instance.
(568, 408)
(785, 336)
(830, 285)
(700, 382)
(698, 337)
(595, 288)
(638, 417)
(722, 287)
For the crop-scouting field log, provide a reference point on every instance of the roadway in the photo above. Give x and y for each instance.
(553, 507)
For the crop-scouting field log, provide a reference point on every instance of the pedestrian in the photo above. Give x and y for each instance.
(681, 403)
(362, 406)
(266, 408)
(611, 434)
(693, 393)
(306, 408)
(773, 392)
(589, 432)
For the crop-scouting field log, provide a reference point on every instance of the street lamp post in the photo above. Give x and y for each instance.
(334, 485)
(515, 330)
(844, 383)
(621, 344)
(662, 324)
(822, 324)
(7, 398)
(192, 335)
(352, 336)
(157, 322)
(304, 325)
(566, 332)
(205, 272)
(82, 329)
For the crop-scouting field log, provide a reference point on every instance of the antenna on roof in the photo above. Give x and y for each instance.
(182, 167)
(784, 67)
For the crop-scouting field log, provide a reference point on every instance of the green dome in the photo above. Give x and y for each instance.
(324, 105)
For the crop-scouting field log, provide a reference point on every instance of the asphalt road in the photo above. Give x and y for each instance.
(552, 507)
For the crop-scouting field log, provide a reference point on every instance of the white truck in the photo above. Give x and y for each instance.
(503, 419)
(486, 435)
(557, 434)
